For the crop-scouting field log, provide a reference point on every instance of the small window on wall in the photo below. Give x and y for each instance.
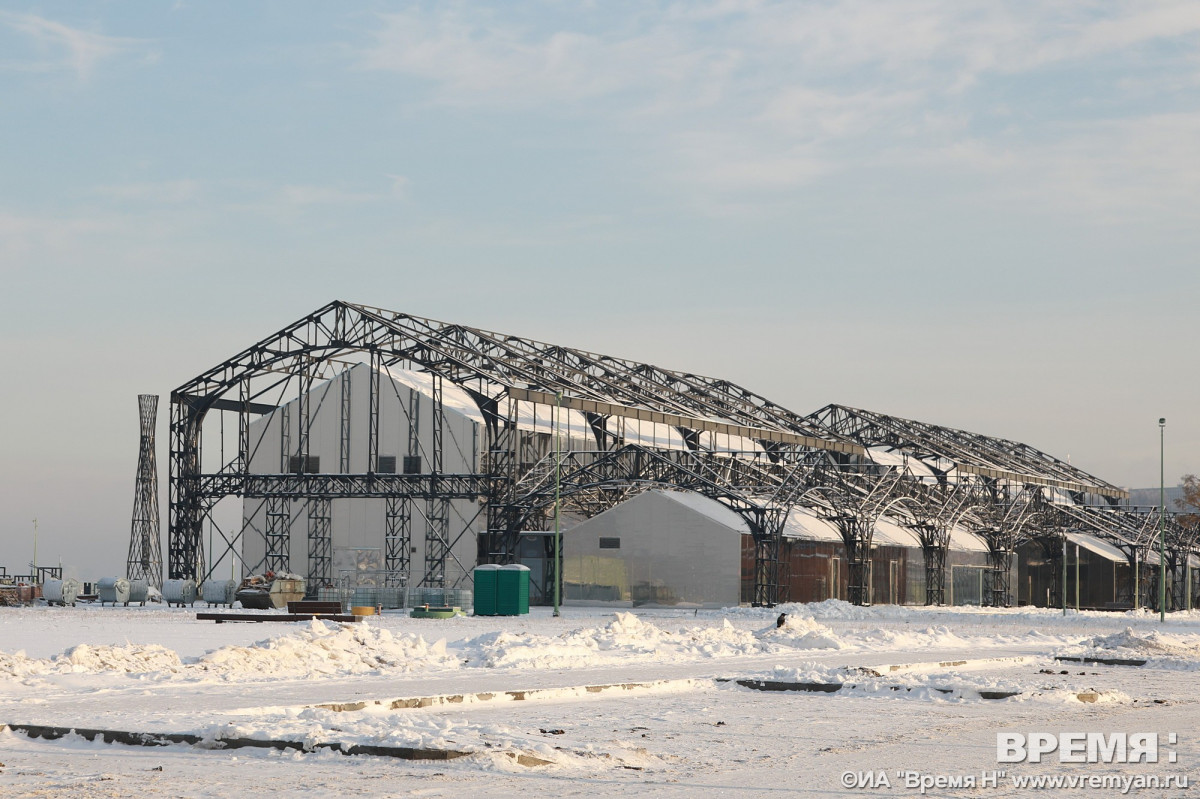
(387, 464)
(610, 543)
(310, 464)
(412, 464)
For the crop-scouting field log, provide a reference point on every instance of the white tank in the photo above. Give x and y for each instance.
(179, 592)
(139, 590)
(62, 592)
(218, 592)
(113, 589)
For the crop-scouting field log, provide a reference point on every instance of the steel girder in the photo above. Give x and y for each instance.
(943, 449)
(1136, 531)
(825, 469)
(485, 364)
(591, 482)
(854, 501)
(346, 486)
(931, 511)
(1004, 517)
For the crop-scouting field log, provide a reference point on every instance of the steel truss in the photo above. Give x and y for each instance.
(1135, 531)
(951, 454)
(320, 545)
(932, 511)
(822, 460)
(145, 550)
(592, 482)
(489, 366)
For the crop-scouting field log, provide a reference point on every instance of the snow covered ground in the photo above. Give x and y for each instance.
(900, 690)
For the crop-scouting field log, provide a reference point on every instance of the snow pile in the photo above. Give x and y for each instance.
(323, 648)
(626, 637)
(840, 610)
(375, 727)
(1151, 643)
(131, 659)
(941, 686)
(19, 665)
(629, 637)
(1158, 649)
(318, 649)
(500, 649)
(378, 726)
(828, 610)
(801, 632)
(930, 637)
(88, 659)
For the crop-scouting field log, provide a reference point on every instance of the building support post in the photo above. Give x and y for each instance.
(320, 545)
(437, 516)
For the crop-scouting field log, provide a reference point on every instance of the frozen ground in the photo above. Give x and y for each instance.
(910, 700)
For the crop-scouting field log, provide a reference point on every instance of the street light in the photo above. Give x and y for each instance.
(1162, 523)
(557, 489)
(1063, 591)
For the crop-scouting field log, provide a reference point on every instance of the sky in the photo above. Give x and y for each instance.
(977, 214)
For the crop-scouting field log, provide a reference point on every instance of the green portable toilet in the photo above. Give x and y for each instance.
(486, 589)
(512, 590)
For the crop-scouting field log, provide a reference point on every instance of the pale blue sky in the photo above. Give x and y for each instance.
(981, 214)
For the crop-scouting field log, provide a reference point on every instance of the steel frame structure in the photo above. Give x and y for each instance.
(494, 368)
(996, 487)
(993, 486)
(145, 547)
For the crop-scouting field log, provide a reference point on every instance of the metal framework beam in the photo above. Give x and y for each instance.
(344, 486)
(145, 548)
(944, 449)
(320, 545)
(822, 460)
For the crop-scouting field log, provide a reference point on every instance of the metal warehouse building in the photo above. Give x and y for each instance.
(437, 446)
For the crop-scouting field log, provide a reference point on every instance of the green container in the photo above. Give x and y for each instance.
(485, 589)
(512, 590)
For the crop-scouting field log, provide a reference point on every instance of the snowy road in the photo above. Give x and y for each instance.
(158, 670)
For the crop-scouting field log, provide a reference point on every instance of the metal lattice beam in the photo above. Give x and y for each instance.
(145, 550)
(822, 460)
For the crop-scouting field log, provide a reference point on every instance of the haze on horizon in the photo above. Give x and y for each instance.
(981, 215)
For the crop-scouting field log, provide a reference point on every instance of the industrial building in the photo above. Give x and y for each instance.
(420, 448)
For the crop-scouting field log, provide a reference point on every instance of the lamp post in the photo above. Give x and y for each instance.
(34, 564)
(1162, 522)
(1077, 577)
(557, 490)
(1064, 574)
(1137, 585)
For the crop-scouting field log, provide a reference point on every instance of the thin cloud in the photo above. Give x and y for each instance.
(62, 47)
(24, 234)
(749, 93)
(476, 60)
(166, 192)
(325, 195)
